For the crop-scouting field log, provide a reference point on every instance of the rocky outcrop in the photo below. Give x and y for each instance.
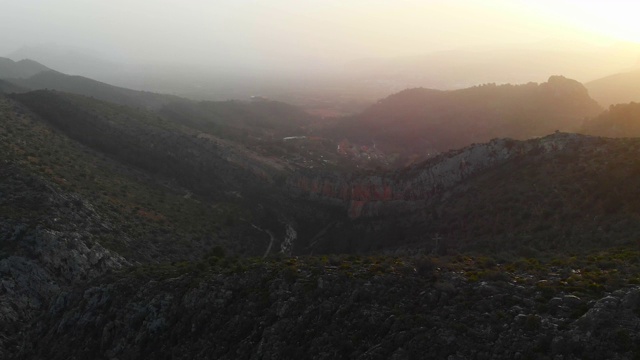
(373, 194)
(45, 248)
(324, 312)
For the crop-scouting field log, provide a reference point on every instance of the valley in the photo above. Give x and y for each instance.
(498, 220)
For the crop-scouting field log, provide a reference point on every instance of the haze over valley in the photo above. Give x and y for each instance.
(287, 180)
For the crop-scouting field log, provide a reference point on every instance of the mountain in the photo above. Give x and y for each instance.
(539, 196)
(153, 212)
(88, 187)
(622, 120)
(19, 69)
(8, 88)
(418, 123)
(70, 60)
(137, 138)
(27, 74)
(218, 172)
(84, 86)
(616, 89)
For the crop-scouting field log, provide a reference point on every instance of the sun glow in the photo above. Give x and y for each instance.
(618, 23)
(616, 20)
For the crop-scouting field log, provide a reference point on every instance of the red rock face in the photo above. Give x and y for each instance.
(355, 195)
(355, 208)
(370, 192)
(369, 195)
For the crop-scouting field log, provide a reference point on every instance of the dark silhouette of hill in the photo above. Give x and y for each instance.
(10, 69)
(621, 120)
(138, 138)
(241, 119)
(421, 122)
(7, 87)
(84, 86)
(616, 89)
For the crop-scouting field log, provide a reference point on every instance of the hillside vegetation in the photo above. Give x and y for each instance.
(622, 120)
(564, 193)
(164, 218)
(416, 123)
(360, 308)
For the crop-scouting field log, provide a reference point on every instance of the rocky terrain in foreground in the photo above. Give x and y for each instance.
(347, 308)
(44, 251)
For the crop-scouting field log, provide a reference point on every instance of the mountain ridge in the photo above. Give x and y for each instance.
(417, 123)
(80, 85)
(616, 89)
(20, 69)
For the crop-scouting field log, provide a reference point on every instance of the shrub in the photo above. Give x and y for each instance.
(425, 266)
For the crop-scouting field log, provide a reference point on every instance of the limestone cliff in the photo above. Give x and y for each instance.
(46, 245)
(369, 195)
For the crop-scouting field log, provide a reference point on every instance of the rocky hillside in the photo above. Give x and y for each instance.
(416, 123)
(168, 221)
(141, 139)
(50, 240)
(564, 192)
(69, 213)
(349, 308)
(368, 195)
(178, 190)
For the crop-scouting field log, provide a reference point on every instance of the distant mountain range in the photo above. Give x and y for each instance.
(350, 88)
(43, 78)
(616, 89)
(417, 122)
(405, 127)
(74, 61)
(22, 69)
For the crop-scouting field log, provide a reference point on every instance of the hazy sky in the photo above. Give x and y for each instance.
(290, 33)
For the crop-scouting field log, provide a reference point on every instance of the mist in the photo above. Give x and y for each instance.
(358, 50)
